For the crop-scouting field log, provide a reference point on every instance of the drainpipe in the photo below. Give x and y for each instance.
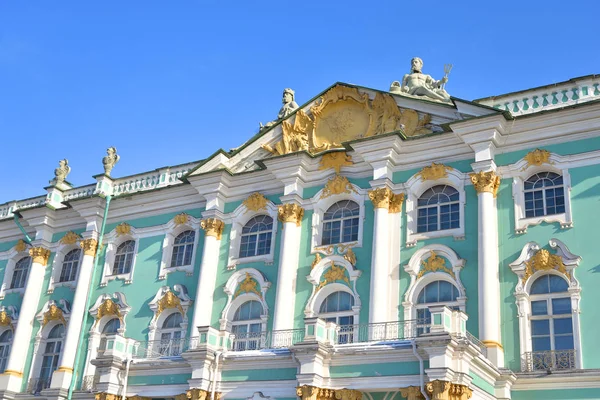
(16, 219)
(87, 302)
(213, 384)
(129, 361)
(421, 370)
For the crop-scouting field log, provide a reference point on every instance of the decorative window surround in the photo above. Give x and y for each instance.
(240, 288)
(238, 219)
(321, 202)
(9, 317)
(176, 301)
(13, 256)
(179, 224)
(320, 292)
(113, 240)
(57, 264)
(521, 171)
(415, 187)
(528, 271)
(414, 268)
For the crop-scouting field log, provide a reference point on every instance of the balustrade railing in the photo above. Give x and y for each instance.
(89, 382)
(35, 386)
(477, 343)
(548, 360)
(160, 348)
(79, 192)
(153, 180)
(385, 331)
(266, 340)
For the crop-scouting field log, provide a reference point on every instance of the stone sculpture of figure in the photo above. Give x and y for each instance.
(110, 160)
(289, 106)
(60, 173)
(417, 83)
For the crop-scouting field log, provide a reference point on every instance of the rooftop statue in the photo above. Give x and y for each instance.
(417, 83)
(60, 173)
(289, 106)
(110, 160)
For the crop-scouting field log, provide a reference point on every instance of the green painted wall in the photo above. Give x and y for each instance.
(556, 394)
(378, 369)
(171, 379)
(277, 374)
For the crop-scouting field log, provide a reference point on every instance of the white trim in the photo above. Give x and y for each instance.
(415, 188)
(13, 257)
(238, 219)
(171, 231)
(234, 302)
(57, 264)
(155, 327)
(113, 242)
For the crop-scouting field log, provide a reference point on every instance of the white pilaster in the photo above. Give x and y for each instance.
(291, 217)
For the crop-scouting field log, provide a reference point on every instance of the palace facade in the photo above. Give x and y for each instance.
(368, 244)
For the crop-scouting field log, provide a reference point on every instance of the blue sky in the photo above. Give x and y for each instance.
(172, 82)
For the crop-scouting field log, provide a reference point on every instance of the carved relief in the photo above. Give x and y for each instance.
(255, 202)
(200, 394)
(348, 394)
(168, 301)
(434, 172)
(434, 263)
(380, 197)
(39, 255)
(108, 307)
(396, 203)
(106, 396)
(335, 160)
(123, 229)
(181, 219)
(412, 393)
(307, 392)
(333, 274)
(5, 319)
(544, 261)
(54, 313)
(70, 238)
(290, 212)
(20, 246)
(213, 227)
(350, 257)
(485, 181)
(248, 285)
(89, 247)
(337, 185)
(438, 390)
(537, 157)
(316, 260)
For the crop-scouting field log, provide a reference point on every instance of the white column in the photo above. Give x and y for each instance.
(213, 228)
(62, 376)
(12, 377)
(380, 260)
(290, 216)
(486, 184)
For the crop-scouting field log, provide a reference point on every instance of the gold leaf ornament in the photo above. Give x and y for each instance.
(290, 212)
(335, 160)
(485, 182)
(433, 264)
(255, 202)
(434, 172)
(123, 229)
(39, 255)
(168, 301)
(337, 185)
(543, 260)
(213, 227)
(537, 157)
(108, 307)
(248, 285)
(5, 319)
(181, 219)
(54, 313)
(21, 246)
(333, 274)
(70, 238)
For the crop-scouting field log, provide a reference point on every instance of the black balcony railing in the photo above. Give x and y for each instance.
(548, 360)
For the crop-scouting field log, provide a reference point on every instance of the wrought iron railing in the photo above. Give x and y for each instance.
(548, 360)
(385, 331)
(266, 340)
(89, 382)
(35, 386)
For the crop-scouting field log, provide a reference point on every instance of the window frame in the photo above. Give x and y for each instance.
(113, 241)
(235, 299)
(57, 265)
(13, 256)
(6, 347)
(173, 229)
(27, 272)
(343, 223)
(157, 322)
(257, 340)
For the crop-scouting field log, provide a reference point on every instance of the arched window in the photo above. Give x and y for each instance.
(256, 236)
(111, 327)
(124, 258)
(247, 326)
(340, 223)
(70, 265)
(438, 209)
(337, 307)
(20, 273)
(433, 294)
(5, 342)
(544, 194)
(52, 350)
(170, 335)
(551, 324)
(183, 249)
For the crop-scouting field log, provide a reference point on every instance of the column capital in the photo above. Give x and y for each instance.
(412, 393)
(396, 203)
(89, 246)
(460, 392)
(380, 197)
(201, 394)
(438, 390)
(213, 227)
(290, 212)
(39, 255)
(485, 182)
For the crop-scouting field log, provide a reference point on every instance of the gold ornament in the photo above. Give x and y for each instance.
(396, 203)
(290, 212)
(306, 392)
(168, 301)
(544, 261)
(200, 394)
(348, 394)
(182, 396)
(434, 263)
(213, 227)
(335, 160)
(537, 157)
(136, 397)
(380, 197)
(108, 307)
(412, 393)
(39, 255)
(255, 202)
(350, 257)
(106, 396)
(89, 247)
(434, 172)
(54, 313)
(20, 246)
(5, 319)
(459, 392)
(181, 219)
(337, 185)
(123, 229)
(248, 285)
(485, 181)
(438, 390)
(333, 274)
(316, 260)
(70, 238)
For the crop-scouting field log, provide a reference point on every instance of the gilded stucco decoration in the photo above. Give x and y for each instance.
(348, 394)
(307, 392)
(39, 255)
(107, 396)
(200, 394)
(350, 257)
(89, 246)
(123, 229)
(181, 219)
(21, 245)
(213, 227)
(54, 313)
(485, 181)
(290, 212)
(255, 202)
(333, 274)
(412, 393)
(434, 263)
(70, 238)
(136, 397)
(537, 157)
(108, 307)
(396, 203)
(380, 197)
(248, 285)
(434, 172)
(316, 260)
(543, 260)
(438, 390)
(343, 114)
(337, 185)
(5, 319)
(335, 160)
(168, 301)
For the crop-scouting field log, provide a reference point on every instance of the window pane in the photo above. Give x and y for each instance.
(541, 285)
(561, 306)
(541, 344)
(540, 327)
(539, 307)
(557, 284)
(563, 326)
(564, 343)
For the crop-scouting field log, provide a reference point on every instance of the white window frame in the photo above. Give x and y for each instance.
(113, 242)
(415, 187)
(10, 344)
(57, 265)
(523, 298)
(13, 256)
(172, 231)
(155, 327)
(234, 302)
(238, 219)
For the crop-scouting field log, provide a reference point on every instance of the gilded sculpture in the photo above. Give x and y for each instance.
(255, 202)
(248, 285)
(89, 246)
(333, 274)
(60, 173)
(181, 219)
(290, 212)
(123, 229)
(416, 83)
(70, 238)
(537, 157)
(5, 319)
(110, 160)
(543, 260)
(433, 264)
(396, 203)
(168, 301)
(485, 181)
(108, 307)
(21, 245)
(337, 185)
(335, 160)
(39, 255)
(412, 393)
(380, 197)
(308, 392)
(213, 227)
(54, 313)
(289, 106)
(315, 261)
(434, 172)
(350, 257)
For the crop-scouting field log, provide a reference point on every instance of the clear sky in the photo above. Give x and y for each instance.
(169, 82)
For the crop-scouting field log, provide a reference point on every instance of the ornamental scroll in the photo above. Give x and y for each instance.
(343, 114)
